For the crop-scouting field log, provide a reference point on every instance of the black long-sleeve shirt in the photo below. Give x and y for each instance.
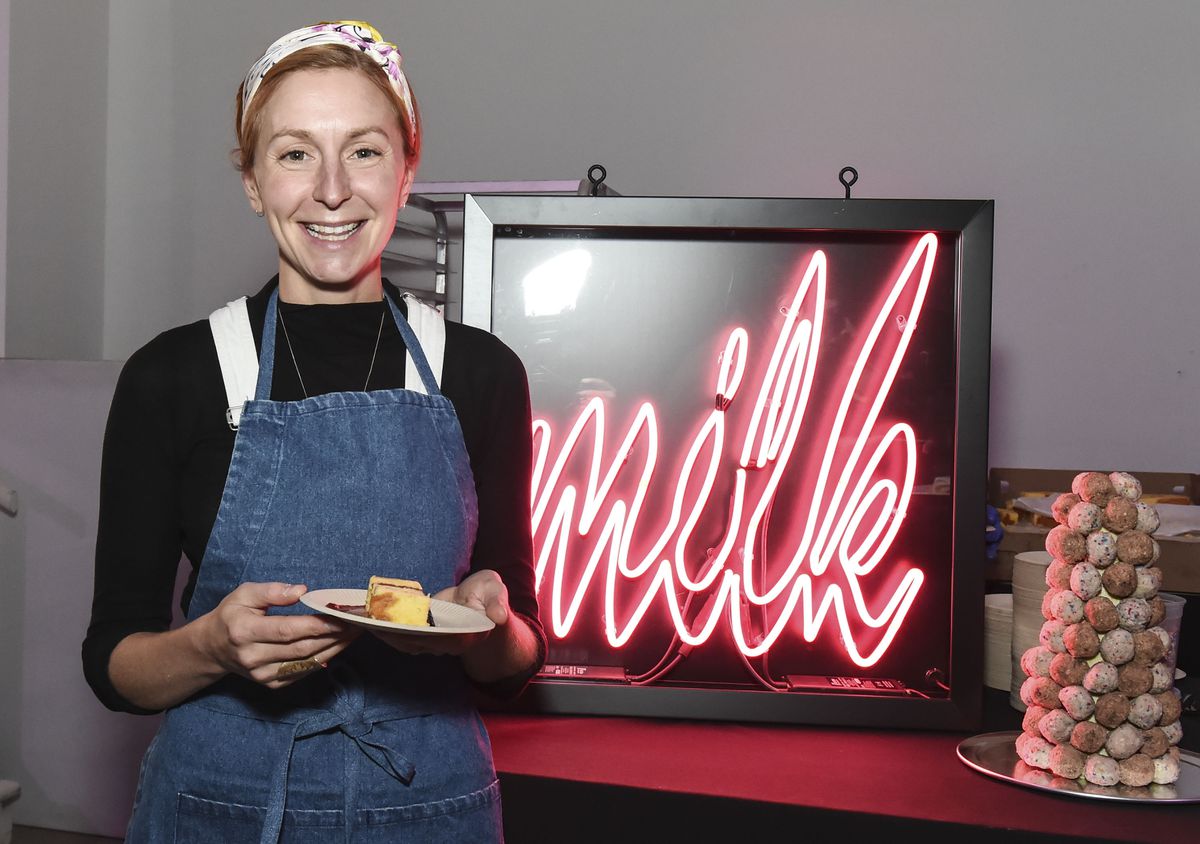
(167, 449)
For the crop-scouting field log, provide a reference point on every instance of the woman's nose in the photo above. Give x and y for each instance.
(333, 184)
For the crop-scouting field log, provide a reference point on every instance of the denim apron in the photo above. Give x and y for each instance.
(380, 746)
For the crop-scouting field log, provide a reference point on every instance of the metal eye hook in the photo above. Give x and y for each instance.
(846, 183)
(596, 175)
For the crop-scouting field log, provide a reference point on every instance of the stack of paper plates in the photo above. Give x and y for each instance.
(997, 641)
(1029, 587)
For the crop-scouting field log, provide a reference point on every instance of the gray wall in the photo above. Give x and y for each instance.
(5, 8)
(1078, 116)
(56, 174)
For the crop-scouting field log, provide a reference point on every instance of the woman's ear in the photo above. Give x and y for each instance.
(406, 183)
(250, 185)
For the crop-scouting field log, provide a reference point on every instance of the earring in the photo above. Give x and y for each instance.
(259, 212)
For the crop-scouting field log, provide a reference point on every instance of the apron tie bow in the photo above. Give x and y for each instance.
(354, 726)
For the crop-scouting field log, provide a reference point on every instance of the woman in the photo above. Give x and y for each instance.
(348, 460)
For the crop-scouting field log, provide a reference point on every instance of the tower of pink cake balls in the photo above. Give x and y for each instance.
(1102, 709)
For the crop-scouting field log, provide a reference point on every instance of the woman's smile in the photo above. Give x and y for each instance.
(332, 234)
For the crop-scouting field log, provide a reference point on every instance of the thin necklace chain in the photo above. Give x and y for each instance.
(292, 352)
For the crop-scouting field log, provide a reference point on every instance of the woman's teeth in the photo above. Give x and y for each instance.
(332, 232)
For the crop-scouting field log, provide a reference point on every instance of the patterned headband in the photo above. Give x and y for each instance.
(357, 34)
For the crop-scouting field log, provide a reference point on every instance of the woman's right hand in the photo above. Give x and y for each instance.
(242, 639)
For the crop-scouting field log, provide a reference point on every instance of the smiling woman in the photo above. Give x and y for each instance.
(277, 480)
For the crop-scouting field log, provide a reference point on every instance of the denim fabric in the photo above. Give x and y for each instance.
(381, 746)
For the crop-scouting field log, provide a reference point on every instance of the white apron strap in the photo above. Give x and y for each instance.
(427, 323)
(239, 359)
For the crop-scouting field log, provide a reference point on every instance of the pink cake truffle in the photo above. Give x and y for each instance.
(1134, 614)
(1101, 678)
(1081, 640)
(1056, 726)
(1154, 742)
(1111, 709)
(1148, 520)
(1126, 485)
(1133, 679)
(1149, 581)
(1086, 580)
(1102, 770)
(1034, 750)
(1061, 508)
(1170, 707)
(1066, 545)
(1066, 670)
(1161, 678)
(1124, 741)
(1166, 769)
(1078, 702)
(1148, 649)
(1034, 714)
(1066, 606)
(1051, 635)
(1085, 517)
(1158, 610)
(1120, 515)
(1116, 646)
(1047, 597)
(1135, 547)
(1089, 737)
(1119, 580)
(1041, 691)
(1068, 763)
(1093, 486)
(1058, 575)
(1137, 770)
(1036, 661)
(1101, 613)
(1145, 711)
(1101, 548)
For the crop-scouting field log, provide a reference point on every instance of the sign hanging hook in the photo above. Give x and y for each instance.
(847, 182)
(596, 175)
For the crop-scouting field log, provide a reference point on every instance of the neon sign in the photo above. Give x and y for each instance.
(843, 514)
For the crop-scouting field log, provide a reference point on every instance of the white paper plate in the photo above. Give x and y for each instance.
(448, 619)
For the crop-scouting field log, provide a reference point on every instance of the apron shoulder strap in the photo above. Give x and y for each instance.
(238, 358)
(428, 324)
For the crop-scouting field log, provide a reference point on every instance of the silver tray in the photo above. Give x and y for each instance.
(995, 755)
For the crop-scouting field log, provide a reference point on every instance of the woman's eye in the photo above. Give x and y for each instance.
(365, 153)
(293, 155)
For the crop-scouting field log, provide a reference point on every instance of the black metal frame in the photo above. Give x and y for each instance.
(971, 221)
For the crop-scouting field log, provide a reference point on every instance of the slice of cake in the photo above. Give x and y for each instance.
(398, 601)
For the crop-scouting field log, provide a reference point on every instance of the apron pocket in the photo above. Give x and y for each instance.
(202, 821)
(472, 817)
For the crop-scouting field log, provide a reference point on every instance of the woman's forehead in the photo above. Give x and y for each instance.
(309, 99)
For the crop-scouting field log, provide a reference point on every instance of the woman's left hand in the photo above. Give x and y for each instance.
(483, 591)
